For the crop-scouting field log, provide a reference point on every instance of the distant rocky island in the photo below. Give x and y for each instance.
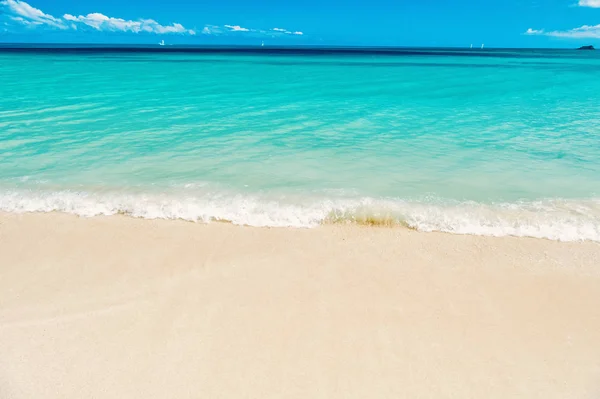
(586, 48)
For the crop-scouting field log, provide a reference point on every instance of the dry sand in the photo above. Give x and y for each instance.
(117, 307)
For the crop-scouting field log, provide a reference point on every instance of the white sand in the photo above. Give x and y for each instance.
(117, 307)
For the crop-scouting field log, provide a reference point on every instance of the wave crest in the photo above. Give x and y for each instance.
(563, 220)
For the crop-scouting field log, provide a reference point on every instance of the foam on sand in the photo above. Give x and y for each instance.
(562, 220)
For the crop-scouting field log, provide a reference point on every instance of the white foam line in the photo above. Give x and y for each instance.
(562, 220)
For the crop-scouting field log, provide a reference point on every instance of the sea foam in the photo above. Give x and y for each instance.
(562, 220)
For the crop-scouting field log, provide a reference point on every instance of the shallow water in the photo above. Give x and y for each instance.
(475, 142)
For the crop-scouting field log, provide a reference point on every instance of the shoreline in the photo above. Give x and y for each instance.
(561, 232)
(127, 307)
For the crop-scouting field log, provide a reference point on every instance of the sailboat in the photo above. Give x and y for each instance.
(162, 43)
(471, 46)
(262, 44)
(482, 46)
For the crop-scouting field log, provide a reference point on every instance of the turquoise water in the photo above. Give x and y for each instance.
(492, 143)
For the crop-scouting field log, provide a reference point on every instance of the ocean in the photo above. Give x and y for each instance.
(483, 142)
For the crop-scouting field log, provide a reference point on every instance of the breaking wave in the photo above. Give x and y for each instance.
(563, 220)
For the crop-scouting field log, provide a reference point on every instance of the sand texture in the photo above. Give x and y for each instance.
(117, 307)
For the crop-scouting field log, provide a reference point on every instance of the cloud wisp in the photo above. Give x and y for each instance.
(21, 13)
(583, 32)
(236, 28)
(589, 3)
(103, 23)
(274, 32)
(287, 32)
(24, 14)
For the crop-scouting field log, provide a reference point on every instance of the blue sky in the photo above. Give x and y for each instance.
(454, 23)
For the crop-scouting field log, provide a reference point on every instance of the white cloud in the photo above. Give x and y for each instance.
(211, 30)
(583, 32)
(589, 3)
(285, 31)
(24, 14)
(29, 15)
(534, 32)
(104, 23)
(237, 28)
(20, 11)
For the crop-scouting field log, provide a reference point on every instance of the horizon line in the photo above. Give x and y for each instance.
(166, 47)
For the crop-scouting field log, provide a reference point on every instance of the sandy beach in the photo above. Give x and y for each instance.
(117, 307)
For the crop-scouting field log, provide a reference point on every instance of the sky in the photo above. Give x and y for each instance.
(439, 23)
